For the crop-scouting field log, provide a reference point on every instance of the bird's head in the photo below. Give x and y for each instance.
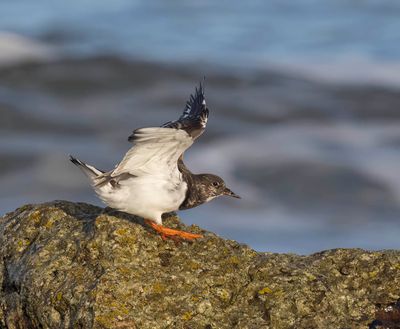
(215, 186)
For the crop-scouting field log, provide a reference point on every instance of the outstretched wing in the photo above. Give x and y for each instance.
(194, 117)
(156, 151)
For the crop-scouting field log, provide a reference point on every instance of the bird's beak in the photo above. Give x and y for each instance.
(228, 192)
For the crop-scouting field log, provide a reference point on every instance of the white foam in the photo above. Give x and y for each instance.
(16, 48)
(346, 69)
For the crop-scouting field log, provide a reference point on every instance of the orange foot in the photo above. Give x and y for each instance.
(169, 233)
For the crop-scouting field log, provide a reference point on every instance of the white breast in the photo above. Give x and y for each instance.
(148, 196)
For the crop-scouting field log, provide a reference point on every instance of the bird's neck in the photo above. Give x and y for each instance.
(195, 194)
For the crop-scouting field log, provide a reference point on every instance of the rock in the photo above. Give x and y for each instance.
(73, 265)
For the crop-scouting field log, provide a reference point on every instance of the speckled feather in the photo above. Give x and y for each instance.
(195, 115)
(198, 191)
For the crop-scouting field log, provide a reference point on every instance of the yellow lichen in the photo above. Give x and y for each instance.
(49, 224)
(114, 311)
(234, 260)
(224, 295)
(94, 245)
(396, 266)
(310, 276)
(36, 216)
(187, 316)
(124, 270)
(194, 265)
(158, 288)
(119, 307)
(107, 320)
(22, 244)
(59, 296)
(264, 291)
(125, 237)
(121, 231)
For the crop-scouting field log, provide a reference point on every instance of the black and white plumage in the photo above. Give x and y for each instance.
(152, 179)
(194, 117)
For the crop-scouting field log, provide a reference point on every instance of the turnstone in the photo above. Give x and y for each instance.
(152, 179)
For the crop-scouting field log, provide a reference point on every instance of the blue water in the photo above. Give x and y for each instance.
(230, 32)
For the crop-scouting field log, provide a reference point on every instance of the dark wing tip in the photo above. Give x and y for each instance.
(196, 103)
(131, 138)
(135, 135)
(75, 161)
(194, 117)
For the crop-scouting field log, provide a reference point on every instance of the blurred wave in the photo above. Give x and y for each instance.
(348, 35)
(16, 49)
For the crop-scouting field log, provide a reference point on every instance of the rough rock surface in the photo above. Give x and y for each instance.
(73, 265)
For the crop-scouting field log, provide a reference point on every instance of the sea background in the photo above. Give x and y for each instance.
(304, 99)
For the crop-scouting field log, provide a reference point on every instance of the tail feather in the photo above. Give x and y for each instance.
(88, 170)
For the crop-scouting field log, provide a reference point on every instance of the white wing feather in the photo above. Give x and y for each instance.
(155, 151)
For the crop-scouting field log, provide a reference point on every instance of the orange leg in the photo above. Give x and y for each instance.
(170, 233)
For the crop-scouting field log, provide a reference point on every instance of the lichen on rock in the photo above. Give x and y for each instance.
(73, 265)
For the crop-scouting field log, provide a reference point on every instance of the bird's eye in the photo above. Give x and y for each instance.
(215, 184)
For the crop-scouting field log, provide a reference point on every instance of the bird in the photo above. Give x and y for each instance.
(152, 179)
